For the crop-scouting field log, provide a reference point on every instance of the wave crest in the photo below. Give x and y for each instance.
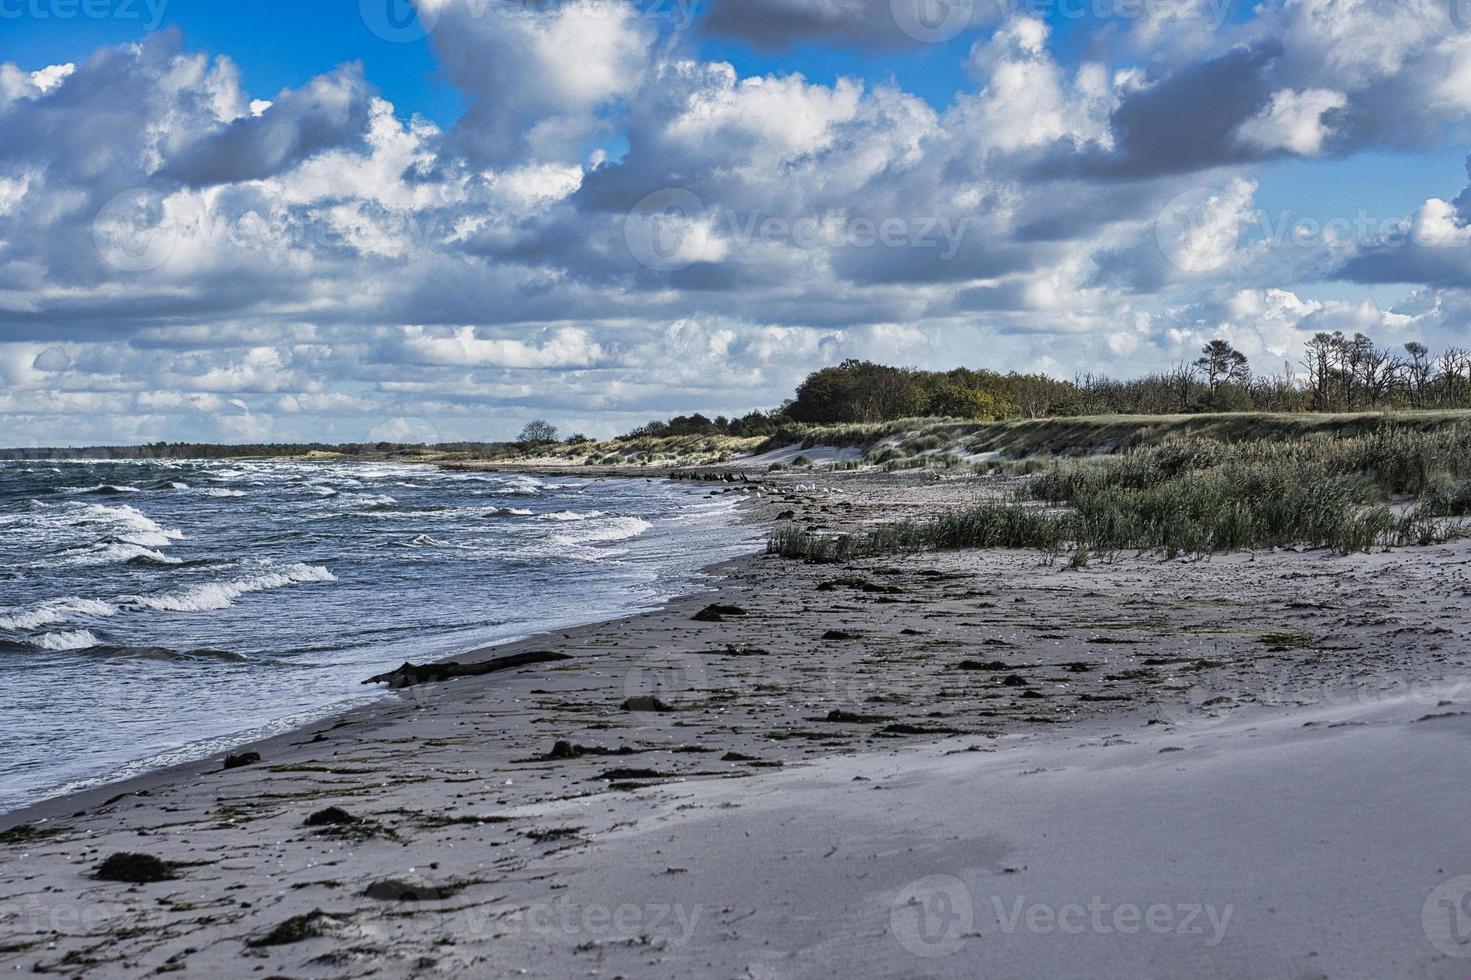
(222, 595)
(69, 640)
(53, 611)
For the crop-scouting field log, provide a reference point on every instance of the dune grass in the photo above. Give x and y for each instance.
(888, 443)
(1196, 496)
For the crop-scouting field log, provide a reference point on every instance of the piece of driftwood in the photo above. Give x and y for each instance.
(410, 675)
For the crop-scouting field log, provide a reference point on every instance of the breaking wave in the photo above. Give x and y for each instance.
(53, 611)
(222, 595)
(572, 515)
(617, 529)
(70, 640)
(111, 552)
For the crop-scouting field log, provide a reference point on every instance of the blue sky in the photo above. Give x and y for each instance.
(268, 221)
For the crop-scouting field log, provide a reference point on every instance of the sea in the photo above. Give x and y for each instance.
(156, 612)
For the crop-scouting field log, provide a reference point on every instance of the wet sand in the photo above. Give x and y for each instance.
(838, 773)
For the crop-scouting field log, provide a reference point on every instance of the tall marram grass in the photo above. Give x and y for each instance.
(1196, 496)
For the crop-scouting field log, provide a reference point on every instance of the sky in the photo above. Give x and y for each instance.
(433, 220)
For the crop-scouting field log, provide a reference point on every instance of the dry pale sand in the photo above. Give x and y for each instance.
(968, 764)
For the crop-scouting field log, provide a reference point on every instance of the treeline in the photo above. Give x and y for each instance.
(862, 391)
(1337, 373)
(752, 425)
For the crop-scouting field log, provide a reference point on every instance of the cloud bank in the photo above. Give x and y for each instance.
(619, 228)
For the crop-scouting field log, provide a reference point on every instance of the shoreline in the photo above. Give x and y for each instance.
(489, 799)
(386, 705)
(106, 787)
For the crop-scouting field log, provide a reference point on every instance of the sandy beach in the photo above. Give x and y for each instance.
(957, 764)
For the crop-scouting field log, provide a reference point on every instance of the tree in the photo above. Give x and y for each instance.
(1222, 363)
(753, 424)
(1419, 371)
(537, 432)
(858, 391)
(1319, 361)
(1181, 381)
(957, 401)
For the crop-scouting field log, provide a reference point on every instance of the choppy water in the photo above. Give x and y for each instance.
(152, 612)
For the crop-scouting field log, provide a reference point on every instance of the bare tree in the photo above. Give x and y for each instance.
(1182, 378)
(1418, 371)
(538, 432)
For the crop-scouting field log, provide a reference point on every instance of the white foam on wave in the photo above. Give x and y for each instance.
(222, 595)
(572, 515)
(127, 523)
(516, 486)
(53, 611)
(113, 552)
(617, 529)
(69, 640)
(215, 492)
(372, 501)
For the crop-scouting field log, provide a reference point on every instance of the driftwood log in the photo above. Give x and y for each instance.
(411, 674)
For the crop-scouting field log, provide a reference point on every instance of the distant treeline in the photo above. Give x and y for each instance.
(1337, 373)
